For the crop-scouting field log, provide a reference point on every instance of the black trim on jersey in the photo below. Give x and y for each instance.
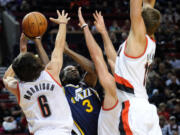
(121, 127)
(124, 88)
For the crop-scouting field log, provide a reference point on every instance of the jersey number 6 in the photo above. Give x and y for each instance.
(43, 104)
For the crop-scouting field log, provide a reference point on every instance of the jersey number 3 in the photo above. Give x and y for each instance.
(43, 104)
(88, 103)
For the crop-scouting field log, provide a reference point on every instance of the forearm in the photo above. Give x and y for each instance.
(149, 2)
(108, 46)
(95, 51)
(60, 42)
(42, 53)
(9, 72)
(85, 63)
(92, 46)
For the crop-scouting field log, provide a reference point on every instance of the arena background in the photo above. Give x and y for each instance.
(163, 83)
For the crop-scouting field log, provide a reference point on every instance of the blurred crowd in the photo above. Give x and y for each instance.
(163, 85)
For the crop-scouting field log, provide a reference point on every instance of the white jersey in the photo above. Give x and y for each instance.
(45, 105)
(109, 119)
(131, 72)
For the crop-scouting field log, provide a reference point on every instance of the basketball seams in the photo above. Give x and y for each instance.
(41, 21)
(37, 23)
(29, 27)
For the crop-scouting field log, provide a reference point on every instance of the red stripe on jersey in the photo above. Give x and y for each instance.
(139, 55)
(153, 39)
(123, 81)
(125, 118)
(18, 93)
(54, 79)
(109, 109)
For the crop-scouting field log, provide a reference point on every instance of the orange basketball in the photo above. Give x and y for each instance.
(34, 24)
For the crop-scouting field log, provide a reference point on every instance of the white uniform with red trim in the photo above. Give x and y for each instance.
(45, 106)
(138, 116)
(108, 122)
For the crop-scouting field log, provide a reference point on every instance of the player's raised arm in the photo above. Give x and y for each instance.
(138, 30)
(106, 79)
(91, 77)
(56, 61)
(42, 53)
(8, 79)
(108, 46)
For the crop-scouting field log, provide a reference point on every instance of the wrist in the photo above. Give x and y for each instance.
(103, 31)
(62, 23)
(84, 25)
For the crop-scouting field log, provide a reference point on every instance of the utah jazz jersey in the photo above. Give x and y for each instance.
(85, 107)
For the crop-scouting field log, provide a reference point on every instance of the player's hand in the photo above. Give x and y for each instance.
(99, 22)
(62, 18)
(81, 19)
(23, 43)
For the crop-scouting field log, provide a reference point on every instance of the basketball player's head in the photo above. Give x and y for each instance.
(151, 19)
(27, 67)
(70, 75)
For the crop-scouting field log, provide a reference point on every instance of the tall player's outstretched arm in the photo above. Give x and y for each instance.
(55, 64)
(136, 42)
(91, 77)
(108, 46)
(106, 79)
(8, 79)
(149, 3)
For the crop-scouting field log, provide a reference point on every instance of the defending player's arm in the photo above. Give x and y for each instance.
(8, 79)
(91, 77)
(55, 64)
(136, 41)
(108, 46)
(106, 79)
(42, 53)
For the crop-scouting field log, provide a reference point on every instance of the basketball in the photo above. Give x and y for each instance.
(34, 24)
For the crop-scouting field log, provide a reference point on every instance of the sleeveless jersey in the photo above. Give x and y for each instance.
(45, 105)
(131, 72)
(85, 107)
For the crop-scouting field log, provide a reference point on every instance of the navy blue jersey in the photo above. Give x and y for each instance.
(85, 107)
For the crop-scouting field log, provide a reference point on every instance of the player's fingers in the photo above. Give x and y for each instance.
(53, 20)
(97, 13)
(59, 14)
(66, 14)
(95, 17)
(63, 13)
(100, 13)
(79, 11)
(68, 18)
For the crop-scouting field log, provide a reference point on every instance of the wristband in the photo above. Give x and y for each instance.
(83, 26)
(62, 23)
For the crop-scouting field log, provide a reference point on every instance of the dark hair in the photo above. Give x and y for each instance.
(151, 19)
(27, 67)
